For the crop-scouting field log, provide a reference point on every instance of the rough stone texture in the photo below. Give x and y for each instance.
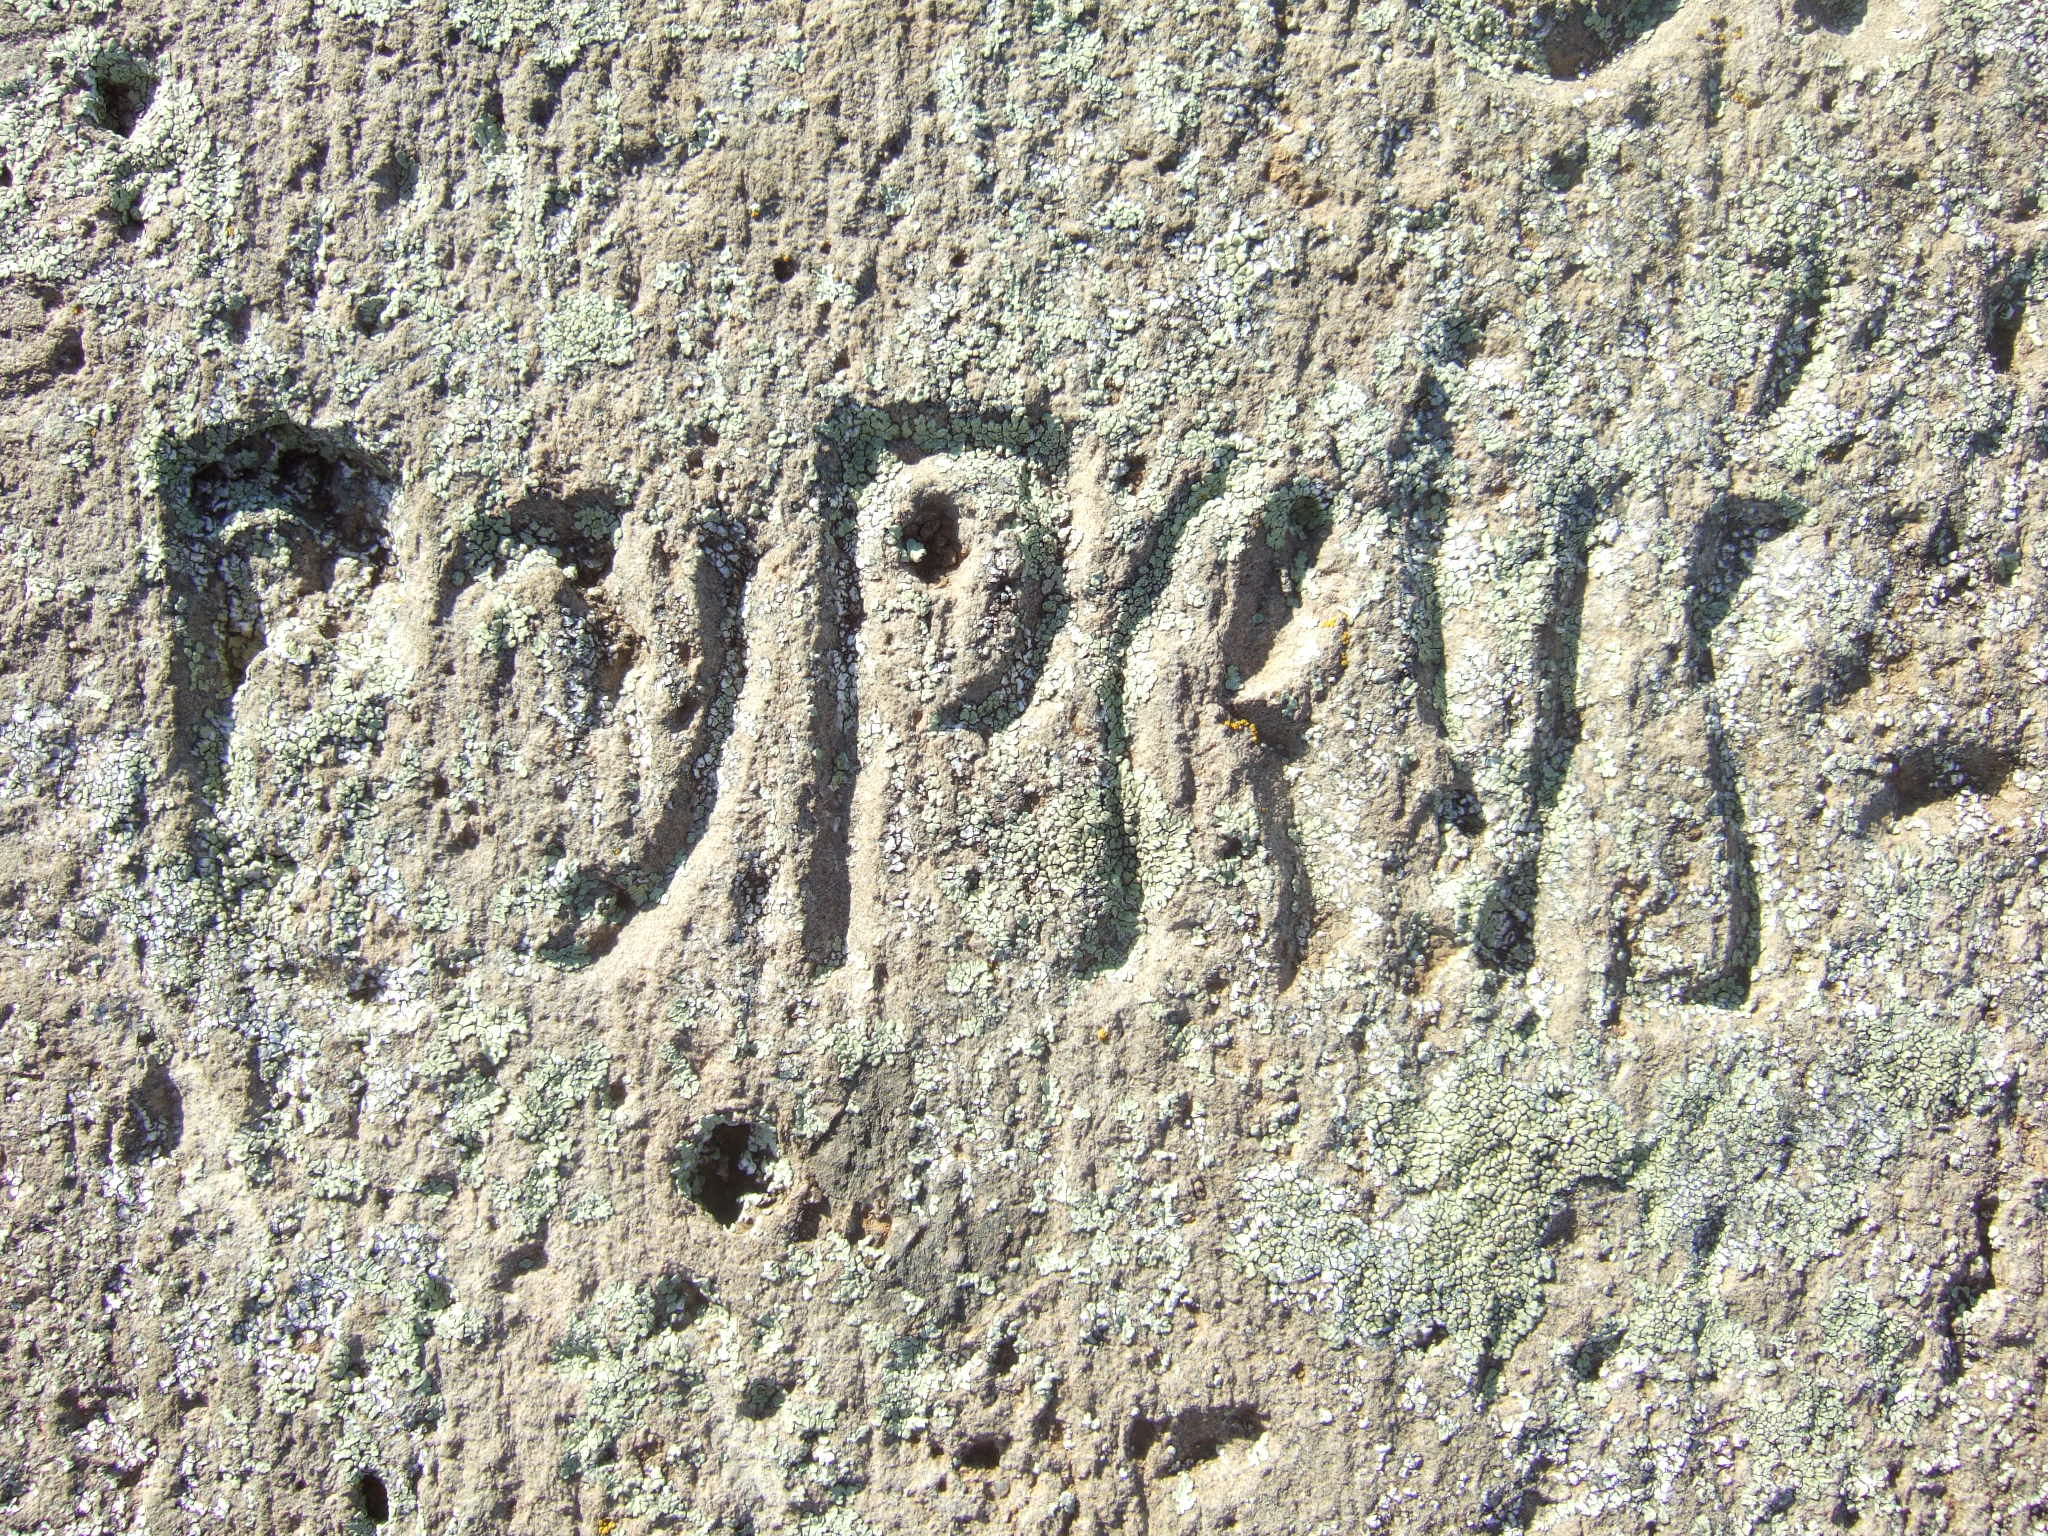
(1240, 765)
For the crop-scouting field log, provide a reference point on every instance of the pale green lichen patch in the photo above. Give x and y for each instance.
(630, 1360)
(558, 32)
(585, 331)
(1486, 1166)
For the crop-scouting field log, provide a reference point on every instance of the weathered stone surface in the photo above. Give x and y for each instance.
(1265, 767)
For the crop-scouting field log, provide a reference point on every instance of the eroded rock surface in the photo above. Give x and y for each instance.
(1262, 767)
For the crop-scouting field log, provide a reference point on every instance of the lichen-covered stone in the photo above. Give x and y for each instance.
(1269, 767)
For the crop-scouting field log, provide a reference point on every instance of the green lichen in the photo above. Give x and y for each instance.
(585, 331)
(558, 33)
(1487, 1165)
(634, 1372)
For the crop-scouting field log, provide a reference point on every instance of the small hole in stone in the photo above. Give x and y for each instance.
(784, 268)
(6, 176)
(680, 1301)
(727, 1161)
(155, 1122)
(1837, 16)
(1928, 775)
(523, 1259)
(2005, 309)
(1590, 1357)
(810, 1220)
(761, 1399)
(1565, 168)
(1140, 1435)
(67, 352)
(1572, 48)
(372, 1499)
(1003, 1358)
(123, 86)
(368, 317)
(931, 535)
(981, 1453)
(1200, 1434)
(1461, 812)
(490, 123)
(959, 260)
(396, 177)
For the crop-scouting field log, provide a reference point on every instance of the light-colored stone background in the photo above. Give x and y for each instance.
(1265, 766)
